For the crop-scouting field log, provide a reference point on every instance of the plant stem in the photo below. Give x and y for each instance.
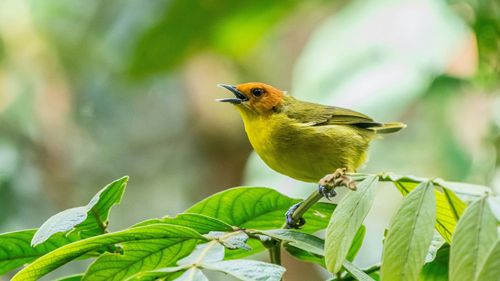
(275, 250)
(275, 253)
(305, 205)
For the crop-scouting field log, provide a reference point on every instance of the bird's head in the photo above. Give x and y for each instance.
(254, 97)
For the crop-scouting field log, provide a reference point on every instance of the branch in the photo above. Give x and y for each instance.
(274, 251)
(306, 205)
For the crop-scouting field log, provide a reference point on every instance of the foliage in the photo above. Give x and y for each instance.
(79, 94)
(410, 235)
(217, 232)
(346, 221)
(207, 26)
(98, 71)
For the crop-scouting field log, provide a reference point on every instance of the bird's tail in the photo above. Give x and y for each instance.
(388, 128)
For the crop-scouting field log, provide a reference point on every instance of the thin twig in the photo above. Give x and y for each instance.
(275, 253)
(306, 205)
(297, 214)
(275, 250)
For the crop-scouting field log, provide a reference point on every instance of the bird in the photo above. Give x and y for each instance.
(307, 141)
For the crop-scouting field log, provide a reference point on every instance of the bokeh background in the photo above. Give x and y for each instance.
(94, 90)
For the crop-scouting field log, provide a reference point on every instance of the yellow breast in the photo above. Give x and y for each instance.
(301, 151)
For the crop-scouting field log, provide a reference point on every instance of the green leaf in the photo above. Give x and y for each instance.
(139, 256)
(301, 240)
(491, 267)
(309, 248)
(61, 222)
(437, 269)
(201, 223)
(494, 202)
(448, 206)
(356, 272)
(234, 240)
(192, 274)
(373, 271)
(456, 205)
(156, 274)
(106, 198)
(475, 235)
(90, 219)
(346, 221)
(305, 255)
(17, 245)
(437, 243)
(210, 256)
(258, 208)
(255, 246)
(75, 277)
(465, 190)
(448, 210)
(16, 249)
(356, 243)
(248, 270)
(142, 235)
(212, 251)
(409, 235)
(454, 188)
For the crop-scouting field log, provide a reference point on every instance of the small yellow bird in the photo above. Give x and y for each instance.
(304, 140)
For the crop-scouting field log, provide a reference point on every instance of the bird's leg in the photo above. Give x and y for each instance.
(328, 183)
(326, 188)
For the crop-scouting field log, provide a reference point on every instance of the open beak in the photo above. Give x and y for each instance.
(239, 96)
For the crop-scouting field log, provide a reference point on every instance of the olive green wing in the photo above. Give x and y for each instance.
(313, 114)
(319, 115)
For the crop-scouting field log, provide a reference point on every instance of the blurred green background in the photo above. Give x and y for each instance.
(94, 90)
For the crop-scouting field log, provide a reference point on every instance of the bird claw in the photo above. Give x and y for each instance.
(326, 192)
(327, 189)
(291, 223)
(338, 178)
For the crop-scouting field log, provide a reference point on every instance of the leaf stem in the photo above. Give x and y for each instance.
(275, 253)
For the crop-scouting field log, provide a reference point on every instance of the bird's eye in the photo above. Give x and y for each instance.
(257, 92)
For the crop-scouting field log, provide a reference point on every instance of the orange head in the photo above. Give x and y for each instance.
(255, 96)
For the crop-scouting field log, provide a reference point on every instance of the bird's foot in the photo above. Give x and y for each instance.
(326, 192)
(329, 182)
(290, 221)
